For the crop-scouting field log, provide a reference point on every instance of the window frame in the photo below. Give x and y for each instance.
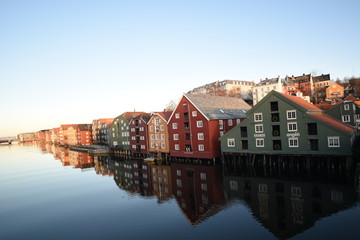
(291, 112)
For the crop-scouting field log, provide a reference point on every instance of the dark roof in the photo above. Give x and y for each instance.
(268, 81)
(219, 107)
(130, 115)
(85, 127)
(321, 77)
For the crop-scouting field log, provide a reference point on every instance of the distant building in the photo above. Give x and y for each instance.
(265, 86)
(334, 91)
(100, 130)
(232, 88)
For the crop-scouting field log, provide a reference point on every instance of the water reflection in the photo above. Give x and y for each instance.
(290, 202)
(286, 200)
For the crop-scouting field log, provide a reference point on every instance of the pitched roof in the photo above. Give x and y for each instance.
(130, 115)
(301, 102)
(219, 107)
(322, 77)
(324, 106)
(351, 98)
(165, 115)
(332, 121)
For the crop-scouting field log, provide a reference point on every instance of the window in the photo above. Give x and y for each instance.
(277, 145)
(230, 122)
(200, 136)
(188, 148)
(187, 136)
(204, 186)
(244, 144)
(152, 145)
(238, 121)
(152, 136)
(258, 117)
(174, 125)
(178, 172)
(162, 136)
(312, 128)
(293, 142)
(296, 192)
(231, 142)
(221, 124)
(194, 113)
(203, 176)
(275, 117)
(333, 142)
(292, 127)
(291, 114)
(259, 128)
(162, 128)
(157, 121)
(151, 128)
(243, 132)
(177, 147)
(162, 145)
(346, 107)
(314, 144)
(199, 124)
(177, 115)
(345, 118)
(201, 147)
(259, 142)
(274, 106)
(276, 130)
(176, 136)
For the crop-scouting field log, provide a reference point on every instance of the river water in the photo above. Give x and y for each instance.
(47, 192)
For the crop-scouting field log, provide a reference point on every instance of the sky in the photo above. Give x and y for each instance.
(73, 61)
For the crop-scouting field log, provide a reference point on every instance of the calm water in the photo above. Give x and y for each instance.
(54, 193)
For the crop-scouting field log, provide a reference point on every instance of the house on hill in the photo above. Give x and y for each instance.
(287, 125)
(199, 120)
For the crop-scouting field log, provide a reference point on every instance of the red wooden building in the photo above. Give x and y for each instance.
(138, 134)
(199, 120)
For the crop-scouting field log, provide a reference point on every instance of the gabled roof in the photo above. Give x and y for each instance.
(219, 107)
(334, 122)
(107, 121)
(130, 115)
(165, 115)
(299, 101)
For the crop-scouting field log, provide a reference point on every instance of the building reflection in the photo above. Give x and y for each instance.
(198, 190)
(80, 160)
(288, 202)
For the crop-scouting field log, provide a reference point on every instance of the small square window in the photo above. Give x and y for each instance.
(259, 128)
(194, 113)
(231, 142)
(258, 117)
(291, 114)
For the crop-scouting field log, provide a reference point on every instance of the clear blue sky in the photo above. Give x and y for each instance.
(75, 61)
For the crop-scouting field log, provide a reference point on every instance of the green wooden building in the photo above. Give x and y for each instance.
(120, 132)
(287, 125)
(347, 111)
